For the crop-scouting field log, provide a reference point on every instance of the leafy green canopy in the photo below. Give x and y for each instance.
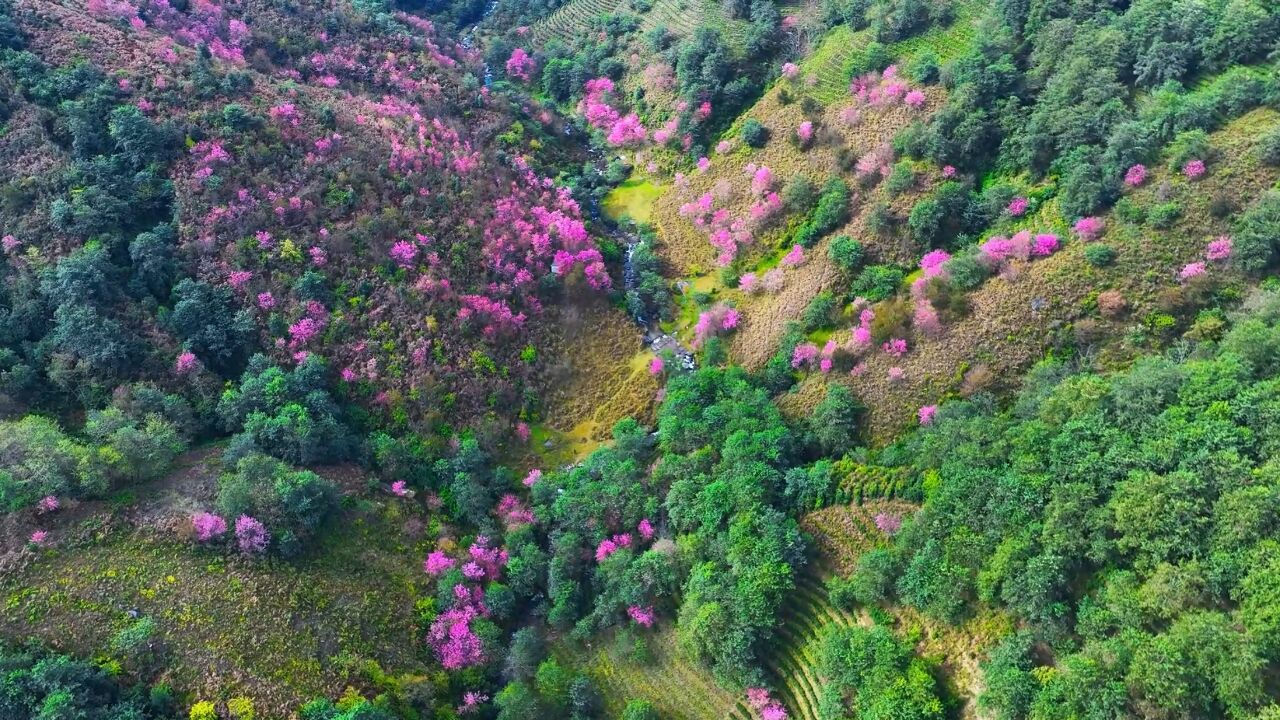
(1129, 519)
(38, 684)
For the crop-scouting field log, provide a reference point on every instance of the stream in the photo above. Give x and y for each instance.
(655, 338)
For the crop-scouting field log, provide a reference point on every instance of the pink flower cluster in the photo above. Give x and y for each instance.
(532, 478)
(186, 363)
(927, 413)
(48, 504)
(1018, 206)
(933, 263)
(609, 546)
(251, 535)
(999, 249)
(1191, 270)
(656, 366)
(1089, 228)
(208, 526)
(887, 523)
(642, 615)
(895, 347)
(1193, 169)
(762, 702)
(403, 253)
(513, 512)
(619, 130)
(437, 562)
(881, 90)
(794, 257)
(724, 233)
(520, 65)
(451, 636)
(804, 132)
(720, 318)
(1218, 249)
(803, 354)
(1135, 175)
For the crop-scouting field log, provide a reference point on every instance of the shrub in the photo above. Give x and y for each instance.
(1257, 233)
(924, 67)
(1188, 146)
(1099, 255)
(639, 710)
(901, 178)
(967, 271)
(834, 423)
(877, 282)
(240, 708)
(754, 133)
(1268, 148)
(846, 253)
(799, 193)
(134, 640)
(291, 504)
(203, 710)
(1164, 215)
(818, 312)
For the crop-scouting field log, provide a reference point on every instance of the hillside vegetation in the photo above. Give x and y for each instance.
(639, 359)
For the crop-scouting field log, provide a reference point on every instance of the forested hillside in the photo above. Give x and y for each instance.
(639, 359)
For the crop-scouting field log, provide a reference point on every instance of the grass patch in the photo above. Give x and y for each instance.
(275, 631)
(634, 199)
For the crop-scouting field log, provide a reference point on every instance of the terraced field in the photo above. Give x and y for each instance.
(843, 50)
(843, 532)
(571, 19)
(681, 17)
(794, 657)
(678, 689)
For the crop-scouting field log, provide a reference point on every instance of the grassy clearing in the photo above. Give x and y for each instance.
(278, 632)
(633, 198)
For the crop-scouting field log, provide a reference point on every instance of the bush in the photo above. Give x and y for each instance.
(754, 133)
(240, 708)
(292, 504)
(877, 282)
(846, 253)
(639, 710)
(817, 314)
(799, 194)
(1257, 233)
(1099, 255)
(901, 178)
(1187, 146)
(133, 637)
(834, 423)
(831, 213)
(1164, 215)
(203, 710)
(967, 271)
(286, 413)
(924, 68)
(1268, 148)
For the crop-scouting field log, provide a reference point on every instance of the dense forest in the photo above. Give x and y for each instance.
(639, 359)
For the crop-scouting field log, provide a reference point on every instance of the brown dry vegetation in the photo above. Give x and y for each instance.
(590, 370)
(1006, 334)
